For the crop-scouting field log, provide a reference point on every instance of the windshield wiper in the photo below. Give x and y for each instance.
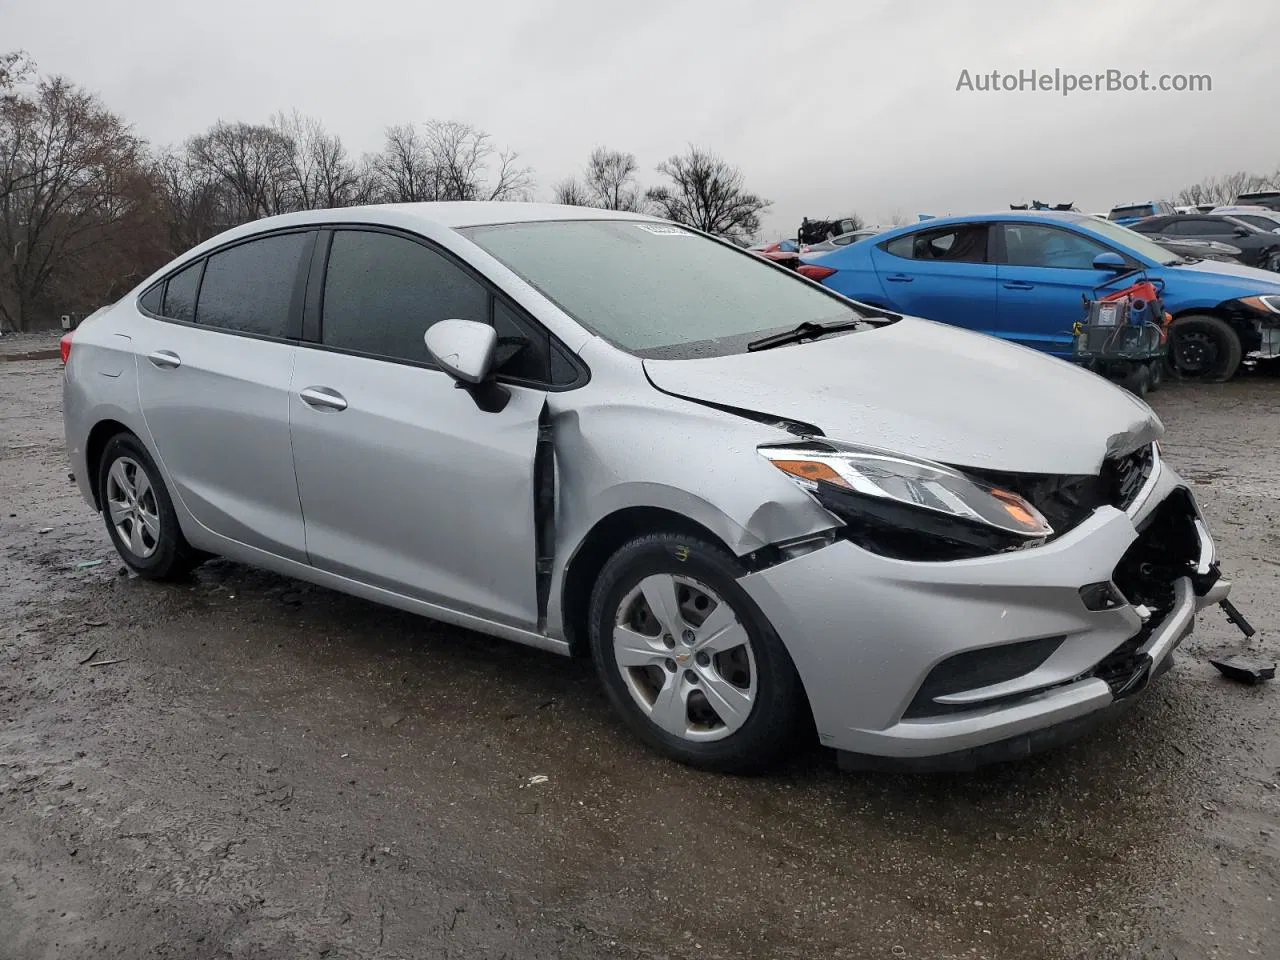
(808, 330)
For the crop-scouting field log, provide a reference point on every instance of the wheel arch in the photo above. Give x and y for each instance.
(95, 445)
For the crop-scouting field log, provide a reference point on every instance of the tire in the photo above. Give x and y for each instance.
(755, 677)
(135, 501)
(1156, 379)
(1204, 349)
(1138, 380)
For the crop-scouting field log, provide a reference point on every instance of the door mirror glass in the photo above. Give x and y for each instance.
(1109, 261)
(1241, 231)
(464, 349)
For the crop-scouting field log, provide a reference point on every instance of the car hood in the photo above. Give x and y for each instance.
(1265, 281)
(928, 390)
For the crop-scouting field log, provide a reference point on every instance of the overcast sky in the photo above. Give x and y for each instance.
(826, 107)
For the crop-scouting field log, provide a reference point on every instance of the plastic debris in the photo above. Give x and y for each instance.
(87, 564)
(536, 779)
(1245, 669)
(107, 663)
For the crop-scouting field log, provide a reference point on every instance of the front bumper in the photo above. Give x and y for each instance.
(865, 632)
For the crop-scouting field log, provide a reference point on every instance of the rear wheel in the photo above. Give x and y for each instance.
(140, 517)
(1203, 348)
(688, 659)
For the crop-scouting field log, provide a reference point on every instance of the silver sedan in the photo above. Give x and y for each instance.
(762, 508)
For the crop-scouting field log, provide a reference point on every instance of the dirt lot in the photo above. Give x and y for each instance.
(249, 767)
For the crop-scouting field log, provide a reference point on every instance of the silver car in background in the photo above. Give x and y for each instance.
(762, 508)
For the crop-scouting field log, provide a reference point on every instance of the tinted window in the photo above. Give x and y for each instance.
(1262, 223)
(1153, 225)
(1031, 245)
(382, 292)
(1125, 213)
(180, 295)
(249, 288)
(1212, 228)
(964, 243)
(520, 353)
(655, 289)
(153, 300)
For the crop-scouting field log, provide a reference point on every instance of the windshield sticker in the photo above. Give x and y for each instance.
(662, 230)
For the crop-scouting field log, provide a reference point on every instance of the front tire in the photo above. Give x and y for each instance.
(139, 514)
(687, 658)
(1203, 348)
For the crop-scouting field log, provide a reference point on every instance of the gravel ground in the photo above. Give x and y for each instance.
(250, 767)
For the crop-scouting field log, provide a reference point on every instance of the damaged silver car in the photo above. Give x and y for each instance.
(763, 509)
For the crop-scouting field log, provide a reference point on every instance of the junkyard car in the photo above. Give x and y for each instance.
(754, 502)
(1022, 275)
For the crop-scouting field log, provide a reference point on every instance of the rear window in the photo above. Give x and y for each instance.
(1126, 213)
(655, 289)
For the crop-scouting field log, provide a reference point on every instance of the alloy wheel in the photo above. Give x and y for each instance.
(685, 657)
(132, 507)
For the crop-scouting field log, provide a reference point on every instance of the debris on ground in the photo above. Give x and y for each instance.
(107, 663)
(536, 779)
(1248, 670)
(89, 657)
(89, 564)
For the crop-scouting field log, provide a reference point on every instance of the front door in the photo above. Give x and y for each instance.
(1044, 273)
(215, 366)
(406, 483)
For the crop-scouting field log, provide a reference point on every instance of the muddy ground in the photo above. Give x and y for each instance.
(249, 767)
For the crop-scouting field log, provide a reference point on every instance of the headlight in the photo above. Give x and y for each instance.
(913, 509)
(1269, 303)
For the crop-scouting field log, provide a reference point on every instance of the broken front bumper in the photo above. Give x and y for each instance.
(869, 635)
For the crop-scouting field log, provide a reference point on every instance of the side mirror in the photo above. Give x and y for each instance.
(1240, 232)
(463, 348)
(1110, 261)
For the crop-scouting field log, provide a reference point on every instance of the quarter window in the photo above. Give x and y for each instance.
(249, 288)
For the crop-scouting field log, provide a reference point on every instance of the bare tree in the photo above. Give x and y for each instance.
(192, 204)
(75, 181)
(1222, 190)
(403, 171)
(572, 192)
(461, 156)
(324, 176)
(611, 180)
(707, 193)
(253, 162)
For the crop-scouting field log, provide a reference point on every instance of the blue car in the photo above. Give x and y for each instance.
(1022, 276)
(1128, 213)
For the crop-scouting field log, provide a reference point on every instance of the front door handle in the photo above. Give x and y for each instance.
(166, 359)
(323, 398)
(899, 278)
(1018, 285)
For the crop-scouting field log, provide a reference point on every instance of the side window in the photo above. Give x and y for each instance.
(180, 294)
(519, 355)
(964, 243)
(1033, 245)
(1151, 225)
(1183, 228)
(1215, 228)
(382, 292)
(249, 288)
(153, 300)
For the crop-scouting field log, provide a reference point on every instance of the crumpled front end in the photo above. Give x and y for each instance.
(988, 656)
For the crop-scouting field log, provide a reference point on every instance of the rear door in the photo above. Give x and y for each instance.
(215, 361)
(406, 482)
(1045, 272)
(941, 274)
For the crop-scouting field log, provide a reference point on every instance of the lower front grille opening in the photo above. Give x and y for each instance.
(975, 669)
(1167, 548)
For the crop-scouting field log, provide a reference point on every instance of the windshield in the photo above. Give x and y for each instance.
(654, 289)
(1125, 213)
(1144, 247)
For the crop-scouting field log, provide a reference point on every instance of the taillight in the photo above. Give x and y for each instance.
(65, 346)
(813, 271)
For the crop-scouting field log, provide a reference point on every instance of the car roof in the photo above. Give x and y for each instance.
(468, 213)
(1026, 216)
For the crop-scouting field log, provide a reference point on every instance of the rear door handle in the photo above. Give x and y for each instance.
(166, 359)
(899, 278)
(323, 398)
(1018, 285)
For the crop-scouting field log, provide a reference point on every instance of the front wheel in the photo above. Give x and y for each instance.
(1203, 348)
(689, 660)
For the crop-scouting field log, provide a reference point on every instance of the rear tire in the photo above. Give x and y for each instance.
(139, 514)
(1204, 349)
(709, 687)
